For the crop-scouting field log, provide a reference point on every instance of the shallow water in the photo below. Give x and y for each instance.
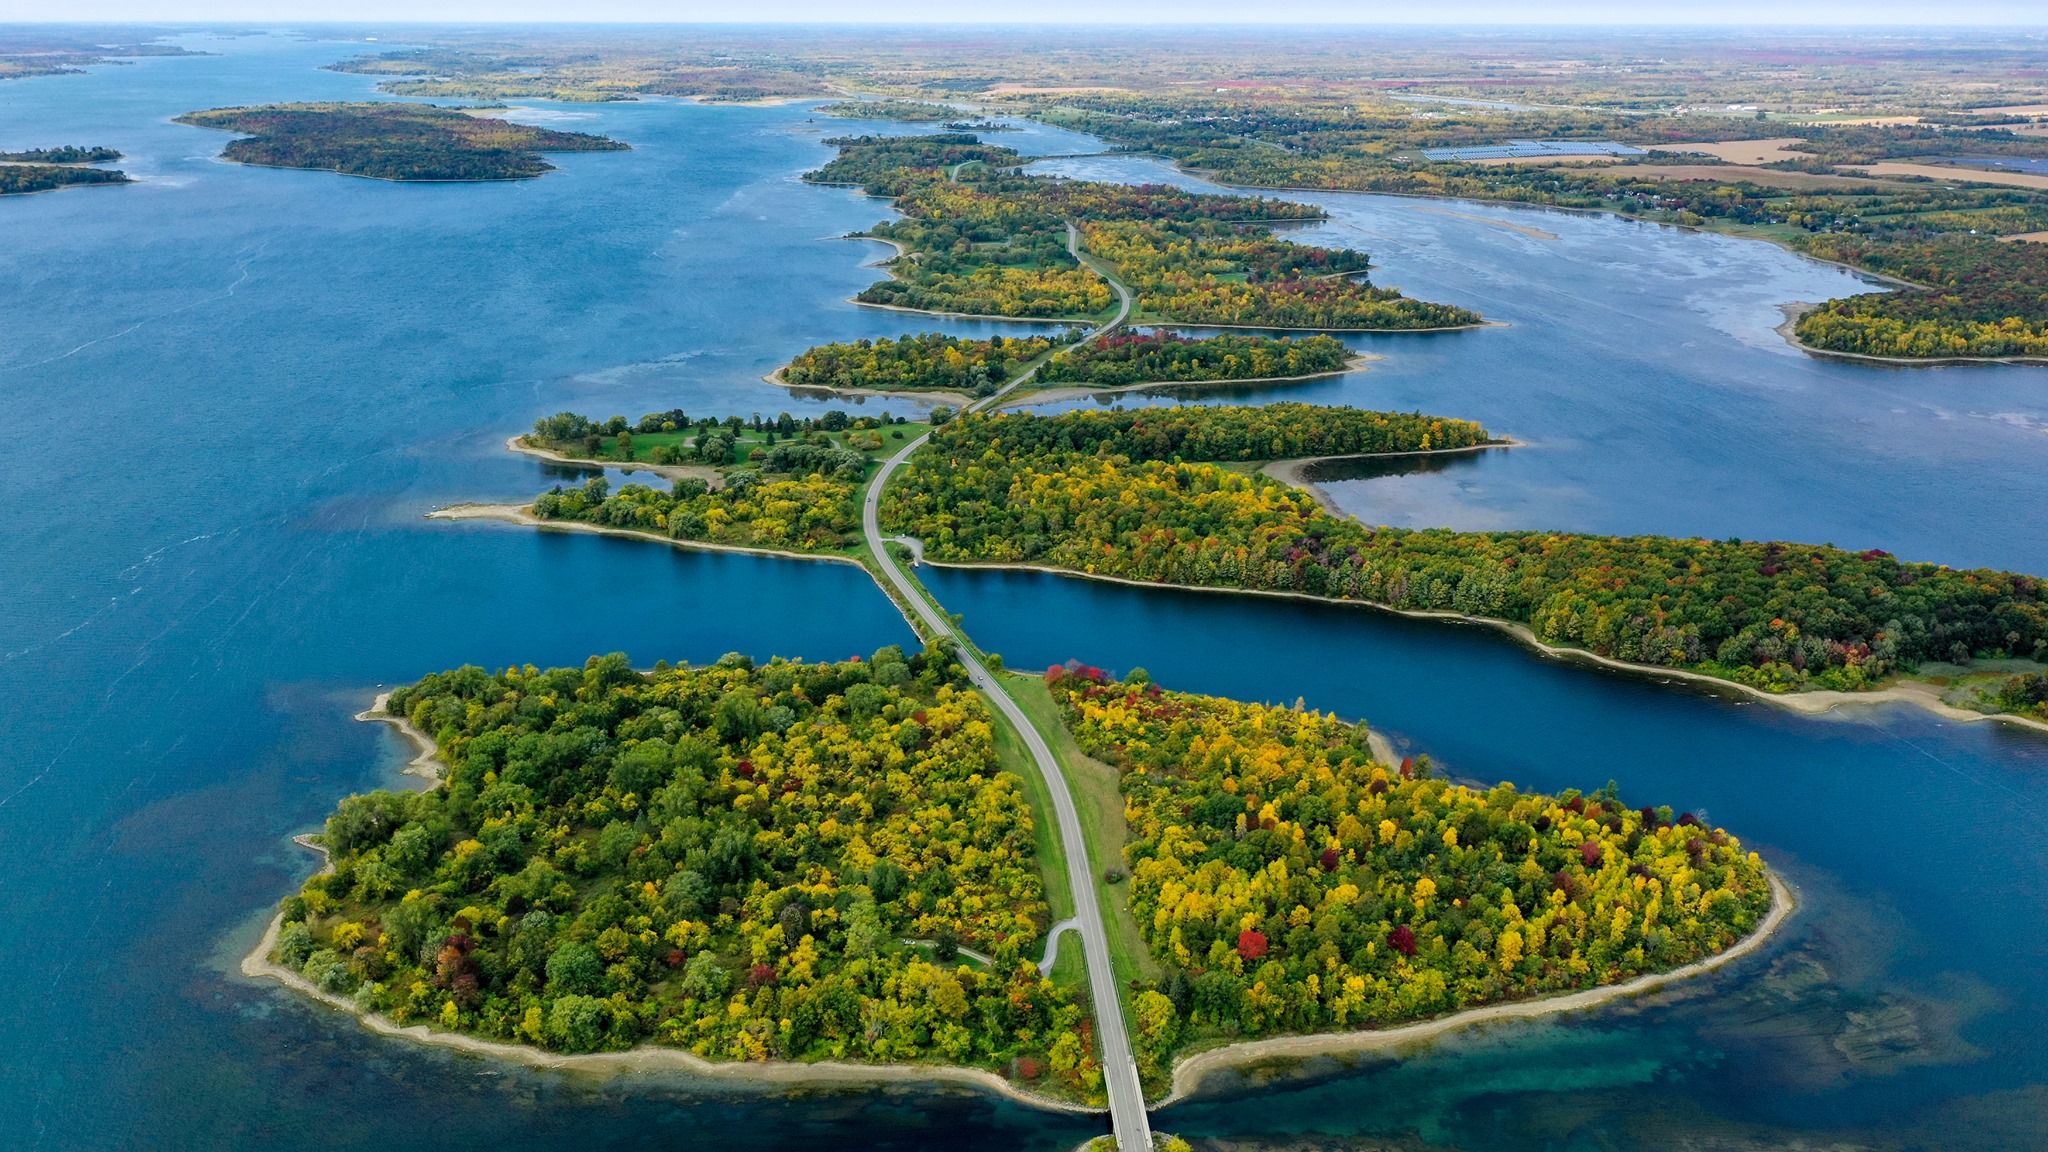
(233, 391)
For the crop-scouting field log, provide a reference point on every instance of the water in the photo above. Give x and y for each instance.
(232, 392)
(1641, 368)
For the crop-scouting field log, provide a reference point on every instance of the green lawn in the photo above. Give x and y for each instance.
(1101, 808)
(644, 443)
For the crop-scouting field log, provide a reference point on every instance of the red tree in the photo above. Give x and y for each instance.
(1250, 944)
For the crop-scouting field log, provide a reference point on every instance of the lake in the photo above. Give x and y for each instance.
(234, 392)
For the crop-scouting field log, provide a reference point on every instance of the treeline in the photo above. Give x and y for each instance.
(1032, 489)
(988, 240)
(2026, 695)
(68, 154)
(729, 860)
(804, 498)
(16, 179)
(927, 361)
(902, 111)
(1983, 298)
(1286, 883)
(1164, 357)
(392, 141)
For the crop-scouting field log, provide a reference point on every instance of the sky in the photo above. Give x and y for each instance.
(1796, 12)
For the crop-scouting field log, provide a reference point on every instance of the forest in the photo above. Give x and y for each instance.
(69, 154)
(1287, 883)
(981, 238)
(1146, 501)
(899, 111)
(1122, 358)
(751, 863)
(18, 179)
(392, 141)
(803, 498)
(928, 361)
(1981, 298)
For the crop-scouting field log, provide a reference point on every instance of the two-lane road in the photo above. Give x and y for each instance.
(1119, 1069)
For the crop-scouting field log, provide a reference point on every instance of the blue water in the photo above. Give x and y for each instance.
(232, 392)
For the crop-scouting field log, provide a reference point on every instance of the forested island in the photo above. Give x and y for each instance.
(935, 362)
(782, 485)
(1145, 496)
(899, 111)
(16, 179)
(927, 362)
(68, 154)
(980, 237)
(392, 141)
(802, 862)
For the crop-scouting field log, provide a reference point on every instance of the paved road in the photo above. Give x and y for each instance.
(1119, 1069)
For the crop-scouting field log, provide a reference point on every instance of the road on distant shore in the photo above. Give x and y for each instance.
(1119, 1069)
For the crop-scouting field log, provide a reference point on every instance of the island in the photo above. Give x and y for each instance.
(958, 367)
(392, 141)
(979, 237)
(47, 169)
(810, 863)
(901, 111)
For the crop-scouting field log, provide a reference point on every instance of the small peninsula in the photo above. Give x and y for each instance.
(392, 141)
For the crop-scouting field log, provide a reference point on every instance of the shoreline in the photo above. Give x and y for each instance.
(1797, 309)
(646, 1058)
(1289, 471)
(936, 395)
(1157, 322)
(704, 472)
(1063, 390)
(1813, 703)
(425, 764)
(518, 514)
(1190, 1071)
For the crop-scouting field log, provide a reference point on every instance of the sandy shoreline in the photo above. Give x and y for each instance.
(704, 472)
(1188, 1073)
(425, 763)
(518, 514)
(1812, 703)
